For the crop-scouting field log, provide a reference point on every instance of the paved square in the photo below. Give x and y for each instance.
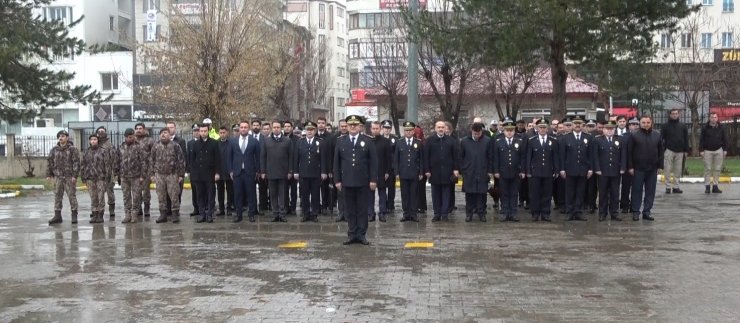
(683, 267)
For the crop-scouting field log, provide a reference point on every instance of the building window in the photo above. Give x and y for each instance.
(63, 14)
(665, 41)
(322, 15)
(340, 71)
(727, 41)
(322, 40)
(689, 2)
(340, 42)
(685, 40)
(354, 80)
(110, 81)
(707, 2)
(67, 56)
(706, 40)
(331, 17)
(340, 12)
(296, 7)
(728, 6)
(156, 35)
(150, 5)
(112, 23)
(354, 21)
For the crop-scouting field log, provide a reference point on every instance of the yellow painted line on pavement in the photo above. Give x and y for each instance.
(419, 245)
(293, 245)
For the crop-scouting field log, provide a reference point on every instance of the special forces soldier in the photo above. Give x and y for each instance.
(96, 172)
(167, 171)
(104, 142)
(508, 154)
(142, 136)
(311, 165)
(133, 168)
(610, 162)
(541, 165)
(64, 167)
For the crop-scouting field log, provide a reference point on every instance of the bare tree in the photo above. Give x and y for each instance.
(316, 79)
(388, 73)
(509, 87)
(210, 64)
(692, 72)
(287, 69)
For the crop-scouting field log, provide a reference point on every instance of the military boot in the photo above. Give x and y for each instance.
(112, 210)
(176, 216)
(162, 216)
(94, 218)
(57, 218)
(146, 210)
(127, 217)
(74, 216)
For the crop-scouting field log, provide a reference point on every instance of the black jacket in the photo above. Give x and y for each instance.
(713, 138)
(384, 149)
(675, 136)
(441, 158)
(645, 150)
(205, 158)
(310, 161)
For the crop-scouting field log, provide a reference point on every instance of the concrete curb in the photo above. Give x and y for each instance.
(21, 187)
(152, 186)
(10, 195)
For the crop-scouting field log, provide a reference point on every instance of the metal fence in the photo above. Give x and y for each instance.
(117, 138)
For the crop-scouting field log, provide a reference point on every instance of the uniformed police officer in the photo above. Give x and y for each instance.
(475, 165)
(558, 192)
(610, 162)
(508, 155)
(390, 183)
(589, 198)
(384, 149)
(407, 162)
(575, 168)
(355, 173)
(541, 165)
(311, 166)
(626, 187)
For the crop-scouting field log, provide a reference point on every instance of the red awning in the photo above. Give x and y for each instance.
(627, 112)
(726, 113)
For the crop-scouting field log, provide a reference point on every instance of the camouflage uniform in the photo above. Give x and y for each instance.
(95, 172)
(64, 166)
(113, 161)
(147, 143)
(167, 165)
(133, 169)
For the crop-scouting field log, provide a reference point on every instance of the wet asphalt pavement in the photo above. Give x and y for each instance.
(684, 267)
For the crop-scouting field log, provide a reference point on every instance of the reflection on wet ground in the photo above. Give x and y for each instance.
(683, 267)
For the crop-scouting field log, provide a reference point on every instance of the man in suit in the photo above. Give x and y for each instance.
(475, 165)
(355, 173)
(291, 186)
(575, 168)
(610, 162)
(408, 163)
(384, 149)
(541, 165)
(188, 163)
(242, 160)
(205, 170)
(264, 199)
(276, 153)
(224, 186)
(310, 167)
(390, 183)
(172, 127)
(336, 194)
(508, 156)
(441, 160)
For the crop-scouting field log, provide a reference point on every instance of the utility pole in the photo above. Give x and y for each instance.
(412, 91)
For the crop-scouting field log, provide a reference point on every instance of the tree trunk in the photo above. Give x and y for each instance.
(694, 136)
(559, 77)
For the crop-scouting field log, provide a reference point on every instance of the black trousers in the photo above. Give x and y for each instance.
(409, 197)
(646, 180)
(355, 211)
(509, 192)
(194, 197)
(609, 195)
(575, 187)
(310, 196)
(624, 200)
(390, 189)
(592, 191)
(277, 196)
(524, 191)
(326, 194)
(452, 198)
(441, 199)
(206, 197)
(540, 195)
(475, 203)
(226, 185)
(291, 195)
(558, 192)
(422, 195)
(264, 198)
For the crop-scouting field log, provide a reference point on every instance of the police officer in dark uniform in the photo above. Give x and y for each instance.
(355, 173)
(575, 168)
(610, 162)
(558, 191)
(508, 157)
(626, 187)
(541, 166)
(384, 149)
(589, 199)
(407, 161)
(390, 183)
(311, 167)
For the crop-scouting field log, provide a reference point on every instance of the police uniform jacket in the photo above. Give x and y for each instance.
(609, 157)
(311, 160)
(475, 164)
(408, 160)
(508, 160)
(441, 158)
(355, 166)
(542, 160)
(575, 155)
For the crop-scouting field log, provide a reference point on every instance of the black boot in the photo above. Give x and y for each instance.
(112, 210)
(482, 218)
(381, 217)
(57, 218)
(468, 217)
(201, 218)
(162, 216)
(706, 189)
(715, 189)
(176, 216)
(74, 216)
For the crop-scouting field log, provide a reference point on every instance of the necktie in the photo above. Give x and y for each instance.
(578, 137)
(508, 142)
(353, 141)
(310, 142)
(609, 139)
(243, 144)
(408, 142)
(256, 137)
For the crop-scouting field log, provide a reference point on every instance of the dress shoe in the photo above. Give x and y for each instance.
(221, 213)
(201, 219)
(445, 217)
(482, 218)
(546, 218)
(237, 219)
(315, 218)
(535, 218)
(348, 242)
(668, 191)
(381, 217)
(364, 242)
(677, 191)
(513, 218)
(647, 217)
(194, 213)
(414, 218)
(209, 219)
(468, 218)
(580, 217)
(602, 218)
(635, 216)
(616, 218)
(592, 211)
(404, 219)
(371, 218)
(282, 219)
(436, 218)
(251, 218)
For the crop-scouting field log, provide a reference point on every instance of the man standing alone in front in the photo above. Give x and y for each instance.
(675, 136)
(645, 157)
